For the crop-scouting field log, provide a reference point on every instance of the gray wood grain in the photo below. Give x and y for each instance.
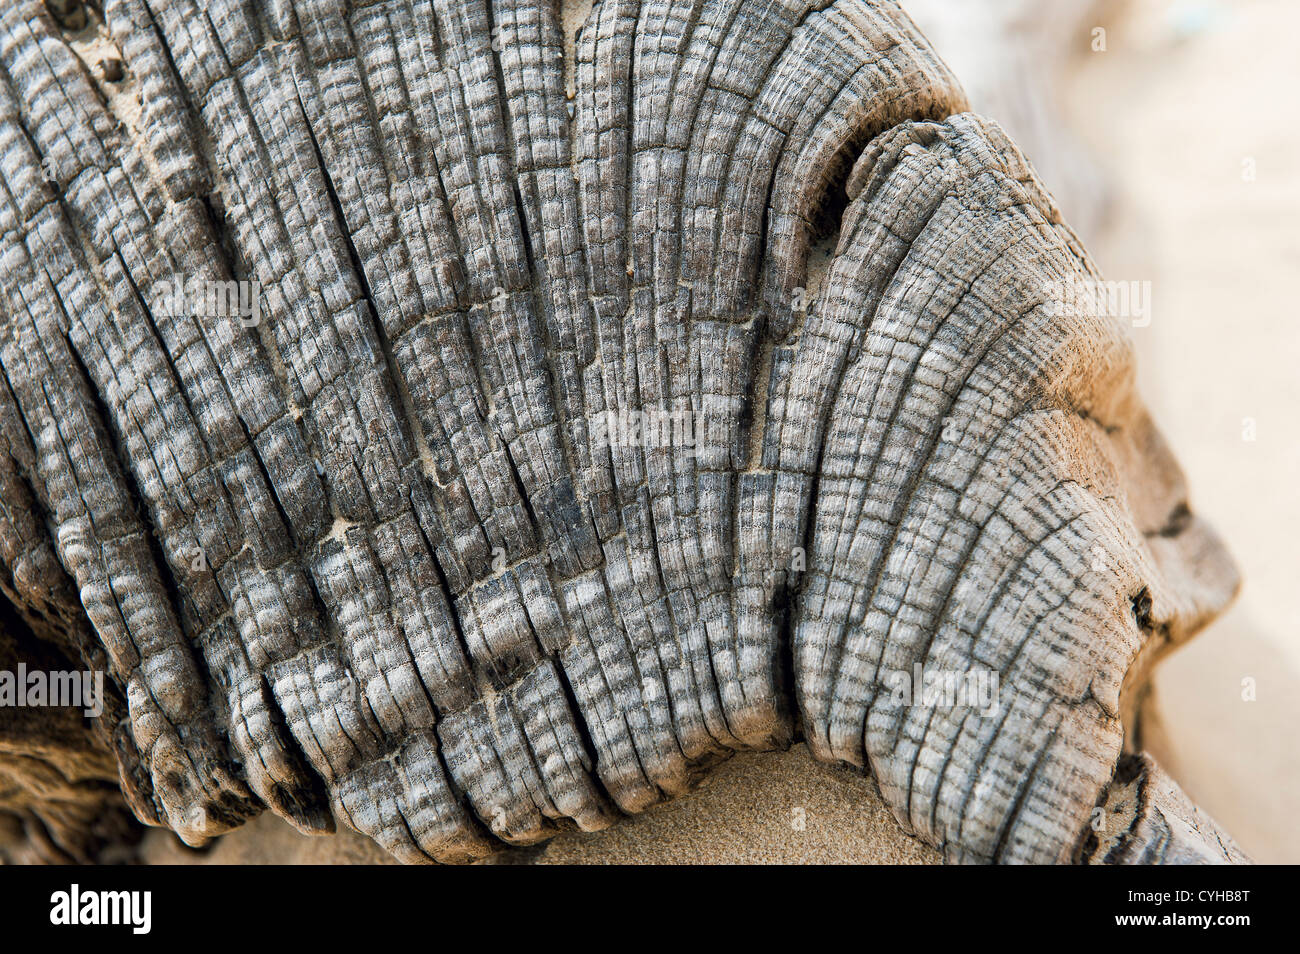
(366, 554)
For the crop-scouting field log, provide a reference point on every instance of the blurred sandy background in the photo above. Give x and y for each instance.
(1175, 152)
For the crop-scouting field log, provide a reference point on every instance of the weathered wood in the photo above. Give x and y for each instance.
(382, 549)
(1013, 57)
(60, 800)
(1147, 819)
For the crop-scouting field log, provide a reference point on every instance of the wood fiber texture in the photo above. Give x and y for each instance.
(368, 553)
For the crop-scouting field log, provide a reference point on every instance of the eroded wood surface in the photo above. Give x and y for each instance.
(368, 555)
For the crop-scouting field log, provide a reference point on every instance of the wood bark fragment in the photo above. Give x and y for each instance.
(1149, 820)
(365, 552)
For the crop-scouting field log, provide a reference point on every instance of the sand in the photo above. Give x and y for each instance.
(769, 808)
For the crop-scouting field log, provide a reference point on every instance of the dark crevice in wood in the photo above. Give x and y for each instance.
(306, 804)
(518, 482)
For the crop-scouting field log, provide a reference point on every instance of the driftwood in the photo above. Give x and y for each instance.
(428, 417)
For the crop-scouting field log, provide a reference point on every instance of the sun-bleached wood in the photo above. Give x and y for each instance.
(370, 560)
